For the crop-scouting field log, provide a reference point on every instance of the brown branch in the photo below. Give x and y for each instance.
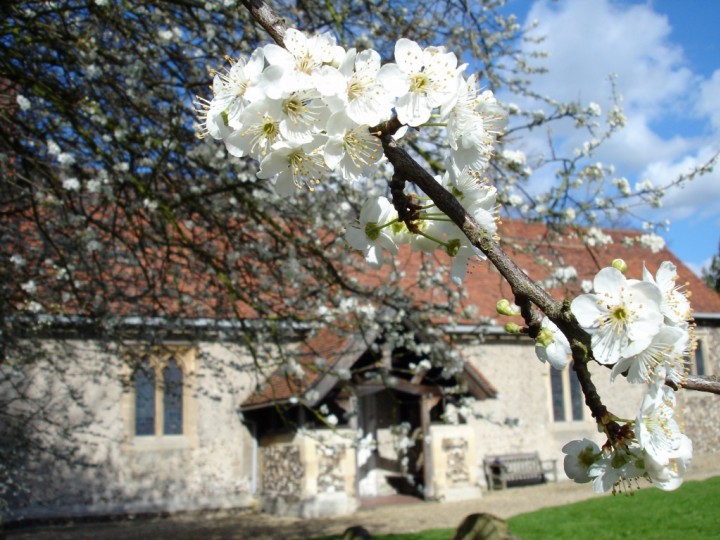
(521, 284)
(525, 290)
(268, 19)
(406, 208)
(709, 384)
(523, 287)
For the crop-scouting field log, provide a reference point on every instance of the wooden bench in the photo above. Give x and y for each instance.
(506, 470)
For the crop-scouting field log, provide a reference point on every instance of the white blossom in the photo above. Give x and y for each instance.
(664, 357)
(351, 149)
(580, 456)
(373, 236)
(295, 167)
(674, 305)
(366, 100)
(552, 346)
(656, 429)
(17, 260)
(302, 65)
(653, 242)
(422, 79)
(595, 237)
(30, 287)
(622, 315)
(668, 475)
(71, 184)
(23, 102)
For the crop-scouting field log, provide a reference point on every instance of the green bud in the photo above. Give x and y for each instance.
(452, 247)
(545, 337)
(372, 231)
(504, 307)
(398, 227)
(619, 264)
(512, 328)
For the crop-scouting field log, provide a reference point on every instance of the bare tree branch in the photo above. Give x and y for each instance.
(268, 19)
(709, 384)
(526, 291)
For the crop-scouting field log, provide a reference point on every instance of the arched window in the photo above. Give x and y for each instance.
(558, 395)
(696, 361)
(145, 400)
(577, 398)
(159, 393)
(566, 395)
(172, 399)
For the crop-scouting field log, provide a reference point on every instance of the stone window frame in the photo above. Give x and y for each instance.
(571, 414)
(158, 357)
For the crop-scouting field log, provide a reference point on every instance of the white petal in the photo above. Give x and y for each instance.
(587, 311)
(609, 281)
(329, 81)
(413, 109)
(408, 55)
(394, 80)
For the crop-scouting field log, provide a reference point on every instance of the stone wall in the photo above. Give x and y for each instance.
(454, 462)
(699, 412)
(309, 474)
(520, 418)
(456, 457)
(107, 469)
(330, 468)
(282, 472)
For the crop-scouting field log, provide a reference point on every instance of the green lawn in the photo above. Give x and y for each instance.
(690, 513)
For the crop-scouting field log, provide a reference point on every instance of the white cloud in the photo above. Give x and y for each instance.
(637, 144)
(709, 102)
(589, 40)
(696, 200)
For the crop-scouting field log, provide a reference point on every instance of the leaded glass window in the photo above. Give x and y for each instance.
(145, 401)
(172, 399)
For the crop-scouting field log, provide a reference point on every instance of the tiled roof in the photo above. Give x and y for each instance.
(172, 282)
(541, 252)
(537, 250)
(335, 346)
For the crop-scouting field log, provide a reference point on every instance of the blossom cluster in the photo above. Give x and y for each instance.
(642, 329)
(306, 112)
(380, 229)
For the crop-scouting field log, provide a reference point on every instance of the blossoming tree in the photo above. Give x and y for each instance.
(108, 199)
(307, 108)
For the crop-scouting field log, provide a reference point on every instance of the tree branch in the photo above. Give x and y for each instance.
(526, 291)
(268, 19)
(709, 384)
(408, 169)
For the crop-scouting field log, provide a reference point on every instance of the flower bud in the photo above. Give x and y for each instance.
(619, 264)
(545, 337)
(452, 247)
(504, 307)
(512, 328)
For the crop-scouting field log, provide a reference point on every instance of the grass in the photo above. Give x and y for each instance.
(690, 513)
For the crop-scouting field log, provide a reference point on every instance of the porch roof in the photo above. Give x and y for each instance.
(340, 350)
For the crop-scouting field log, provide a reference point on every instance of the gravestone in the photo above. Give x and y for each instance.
(483, 527)
(356, 533)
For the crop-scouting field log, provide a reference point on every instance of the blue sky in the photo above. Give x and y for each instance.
(666, 55)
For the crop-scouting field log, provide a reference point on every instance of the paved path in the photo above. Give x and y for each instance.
(380, 520)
